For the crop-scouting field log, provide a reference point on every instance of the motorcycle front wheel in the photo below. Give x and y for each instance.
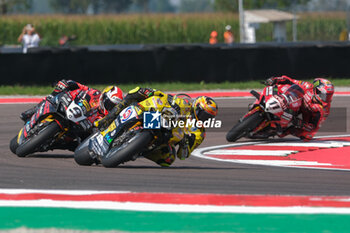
(128, 149)
(41, 137)
(244, 126)
(82, 154)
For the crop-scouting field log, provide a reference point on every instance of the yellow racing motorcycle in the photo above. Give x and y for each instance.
(136, 131)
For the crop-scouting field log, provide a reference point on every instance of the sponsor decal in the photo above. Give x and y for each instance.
(127, 114)
(159, 101)
(86, 105)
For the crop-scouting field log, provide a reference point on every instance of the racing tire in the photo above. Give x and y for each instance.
(30, 146)
(14, 144)
(82, 155)
(128, 150)
(244, 126)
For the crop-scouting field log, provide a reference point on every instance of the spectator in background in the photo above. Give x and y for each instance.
(213, 37)
(29, 38)
(64, 40)
(228, 35)
(344, 35)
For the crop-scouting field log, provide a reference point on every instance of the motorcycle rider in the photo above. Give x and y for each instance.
(99, 104)
(202, 109)
(315, 106)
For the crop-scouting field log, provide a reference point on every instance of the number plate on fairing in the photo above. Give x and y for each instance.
(75, 112)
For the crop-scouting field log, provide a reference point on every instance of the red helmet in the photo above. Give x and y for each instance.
(110, 96)
(323, 91)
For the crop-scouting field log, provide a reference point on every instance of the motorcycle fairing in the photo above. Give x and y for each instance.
(101, 142)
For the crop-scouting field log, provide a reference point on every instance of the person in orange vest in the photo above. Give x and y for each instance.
(228, 35)
(213, 37)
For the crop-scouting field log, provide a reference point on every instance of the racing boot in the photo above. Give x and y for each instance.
(164, 156)
(26, 115)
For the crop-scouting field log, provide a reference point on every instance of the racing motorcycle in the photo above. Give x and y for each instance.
(128, 137)
(60, 122)
(271, 114)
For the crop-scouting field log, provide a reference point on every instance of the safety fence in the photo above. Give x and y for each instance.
(179, 62)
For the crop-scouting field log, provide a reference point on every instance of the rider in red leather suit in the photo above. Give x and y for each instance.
(100, 102)
(315, 107)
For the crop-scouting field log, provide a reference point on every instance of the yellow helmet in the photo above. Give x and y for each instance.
(182, 103)
(204, 108)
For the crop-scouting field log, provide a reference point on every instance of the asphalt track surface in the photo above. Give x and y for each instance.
(57, 169)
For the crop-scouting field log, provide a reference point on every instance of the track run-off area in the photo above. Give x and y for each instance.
(249, 186)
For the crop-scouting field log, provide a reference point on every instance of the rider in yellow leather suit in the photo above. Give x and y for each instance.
(202, 108)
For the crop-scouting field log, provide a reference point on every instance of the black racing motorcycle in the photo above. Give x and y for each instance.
(60, 122)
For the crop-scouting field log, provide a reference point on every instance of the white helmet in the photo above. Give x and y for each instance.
(228, 27)
(110, 96)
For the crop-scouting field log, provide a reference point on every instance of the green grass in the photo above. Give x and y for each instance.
(174, 86)
(35, 218)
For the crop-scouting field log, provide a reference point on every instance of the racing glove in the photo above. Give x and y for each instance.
(270, 81)
(60, 86)
(183, 151)
(103, 123)
(64, 85)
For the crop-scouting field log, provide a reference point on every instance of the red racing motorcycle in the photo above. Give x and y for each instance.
(270, 115)
(60, 122)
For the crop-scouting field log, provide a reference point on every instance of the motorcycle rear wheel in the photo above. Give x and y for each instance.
(31, 145)
(135, 145)
(245, 126)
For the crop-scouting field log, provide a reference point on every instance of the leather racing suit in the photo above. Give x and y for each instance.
(313, 113)
(166, 154)
(92, 96)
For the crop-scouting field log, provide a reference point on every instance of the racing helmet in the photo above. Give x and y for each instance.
(323, 91)
(110, 96)
(204, 108)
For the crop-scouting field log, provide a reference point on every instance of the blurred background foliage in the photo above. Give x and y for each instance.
(159, 28)
(161, 6)
(96, 22)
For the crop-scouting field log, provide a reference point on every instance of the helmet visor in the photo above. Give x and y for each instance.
(325, 97)
(202, 115)
(107, 103)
